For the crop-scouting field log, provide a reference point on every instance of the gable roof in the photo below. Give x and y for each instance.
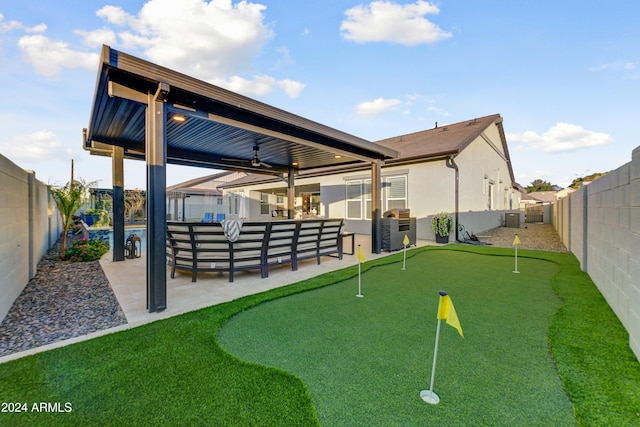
(207, 185)
(544, 196)
(442, 142)
(197, 181)
(438, 143)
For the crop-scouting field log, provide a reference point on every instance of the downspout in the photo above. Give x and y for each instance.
(451, 164)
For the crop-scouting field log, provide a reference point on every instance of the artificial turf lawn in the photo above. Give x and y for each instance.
(172, 372)
(365, 360)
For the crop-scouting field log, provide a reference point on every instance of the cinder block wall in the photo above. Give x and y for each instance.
(604, 234)
(29, 226)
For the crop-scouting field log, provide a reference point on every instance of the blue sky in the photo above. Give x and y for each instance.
(564, 75)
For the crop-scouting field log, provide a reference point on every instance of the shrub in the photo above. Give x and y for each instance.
(87, 250)
(442, 224)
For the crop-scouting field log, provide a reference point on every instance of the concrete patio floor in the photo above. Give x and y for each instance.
(128, 281)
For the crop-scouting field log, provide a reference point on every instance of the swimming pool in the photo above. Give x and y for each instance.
(106, 233)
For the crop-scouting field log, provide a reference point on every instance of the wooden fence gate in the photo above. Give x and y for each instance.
(533, 213)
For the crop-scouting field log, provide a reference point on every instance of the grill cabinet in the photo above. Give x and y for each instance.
(394, 230)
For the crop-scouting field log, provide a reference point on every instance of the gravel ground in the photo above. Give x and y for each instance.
(64, 300)
(542, 237)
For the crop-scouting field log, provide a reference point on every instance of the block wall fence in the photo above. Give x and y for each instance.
(600, 225)
(29, 226)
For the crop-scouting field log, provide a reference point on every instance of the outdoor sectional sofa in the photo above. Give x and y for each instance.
(204, 247)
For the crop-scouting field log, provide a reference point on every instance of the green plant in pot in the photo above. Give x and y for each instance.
(442, 224)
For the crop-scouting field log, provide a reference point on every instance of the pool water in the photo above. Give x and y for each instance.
(105, 233)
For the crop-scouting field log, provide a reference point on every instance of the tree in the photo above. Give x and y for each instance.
(539, 185)
(577, 183)
(133, 201)
(68, 199)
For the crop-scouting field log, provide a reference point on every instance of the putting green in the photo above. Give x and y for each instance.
(365, 360)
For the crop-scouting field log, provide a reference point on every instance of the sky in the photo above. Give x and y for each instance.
(564, 75)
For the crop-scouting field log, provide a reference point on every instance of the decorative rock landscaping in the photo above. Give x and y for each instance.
(64, 300)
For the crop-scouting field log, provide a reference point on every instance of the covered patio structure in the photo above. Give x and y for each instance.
(147, 112)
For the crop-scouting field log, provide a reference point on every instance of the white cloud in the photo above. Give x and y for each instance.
(114, 15)
(216, 41)
(40, 28)
(260, 85)
(38, 146)
(628, 68)
(286, 56)
(560, 138)
(382, 21)
(15, 25)
(412, 101)
(8, 26)
(204, 39)
(438, 110)
(615, 66)
(377, 106)
(291, 87)
(96, 38)
(49, 57)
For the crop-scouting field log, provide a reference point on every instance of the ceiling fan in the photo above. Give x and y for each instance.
(254, 162)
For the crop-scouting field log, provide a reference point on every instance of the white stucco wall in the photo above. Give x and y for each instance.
(430, 189)
(482, 163)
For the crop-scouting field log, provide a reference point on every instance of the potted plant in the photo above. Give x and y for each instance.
(442, 224)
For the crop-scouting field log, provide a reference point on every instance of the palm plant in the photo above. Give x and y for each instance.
(68, 199)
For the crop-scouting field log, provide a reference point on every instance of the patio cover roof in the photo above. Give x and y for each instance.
(220, 128)
(147, 112)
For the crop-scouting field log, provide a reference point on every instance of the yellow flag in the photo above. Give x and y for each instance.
(516, 241)
(447, 312)
(360, 255)
(406, 240)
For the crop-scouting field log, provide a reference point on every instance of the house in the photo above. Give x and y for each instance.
(192, 200)
(462, 168)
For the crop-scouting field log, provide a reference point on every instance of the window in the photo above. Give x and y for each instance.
(490, 195)
(354, 199)
(359, 200)
(234, 203)
(396, 192)
(280, 205)
(367, 198)
(264, 204)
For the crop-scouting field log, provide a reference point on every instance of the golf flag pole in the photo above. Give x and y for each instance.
(446, 312)
(405, 242)
(516, 243)
(361, 258)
